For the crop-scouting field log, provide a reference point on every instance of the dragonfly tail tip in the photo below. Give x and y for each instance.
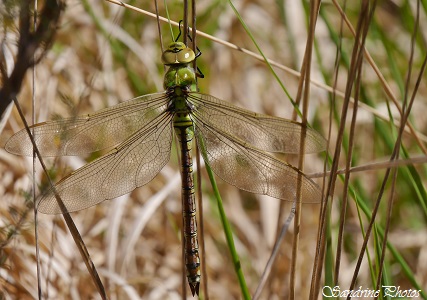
(194, 288)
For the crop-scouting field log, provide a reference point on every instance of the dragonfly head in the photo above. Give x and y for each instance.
(177, 54)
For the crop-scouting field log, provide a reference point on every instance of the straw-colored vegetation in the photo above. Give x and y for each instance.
(104, 54)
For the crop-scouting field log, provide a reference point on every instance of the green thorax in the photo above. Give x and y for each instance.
(180, 78)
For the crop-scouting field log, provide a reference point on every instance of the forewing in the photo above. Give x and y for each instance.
(133, 163)
(85, 134)
(250, 169)
(264, 132)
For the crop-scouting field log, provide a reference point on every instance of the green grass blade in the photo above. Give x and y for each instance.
(167, 15)
(229, 236)
(265, 59)
(397, 256)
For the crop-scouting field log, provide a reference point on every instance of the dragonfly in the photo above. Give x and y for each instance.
(237, 144)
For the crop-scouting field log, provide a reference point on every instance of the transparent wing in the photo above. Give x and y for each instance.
(134, 163)
(251, 169)
(85, 134)
(264, 132)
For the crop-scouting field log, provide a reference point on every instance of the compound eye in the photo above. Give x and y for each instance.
(169, 58)
(185, 55)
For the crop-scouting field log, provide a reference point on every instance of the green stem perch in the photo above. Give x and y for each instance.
(229, 236)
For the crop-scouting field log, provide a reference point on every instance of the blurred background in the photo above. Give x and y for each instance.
(104, 54)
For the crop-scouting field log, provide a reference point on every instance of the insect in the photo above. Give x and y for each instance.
(234, 142)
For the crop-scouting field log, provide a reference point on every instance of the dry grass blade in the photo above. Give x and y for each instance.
(420, 136)
(68, 220)
(271, 260)
(29, 44)
(304, 82)
(394, 156)
(356, 61)
(405, 114)
(349, 156)
(387, 88)
(375, 166)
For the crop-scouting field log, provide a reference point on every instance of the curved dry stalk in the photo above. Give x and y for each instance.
(419, 136)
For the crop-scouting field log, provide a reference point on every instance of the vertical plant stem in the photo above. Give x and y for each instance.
(33, 109)
(229, 236)
(304, 81)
